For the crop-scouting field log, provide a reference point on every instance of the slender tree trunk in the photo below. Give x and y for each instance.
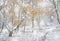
(56, 11)
(38, 22)
(32, 22)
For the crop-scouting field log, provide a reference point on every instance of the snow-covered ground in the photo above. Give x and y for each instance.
(50, 33)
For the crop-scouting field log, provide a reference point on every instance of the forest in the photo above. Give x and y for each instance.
(29, 20)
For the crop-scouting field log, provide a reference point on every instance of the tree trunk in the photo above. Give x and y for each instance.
(10, 33)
